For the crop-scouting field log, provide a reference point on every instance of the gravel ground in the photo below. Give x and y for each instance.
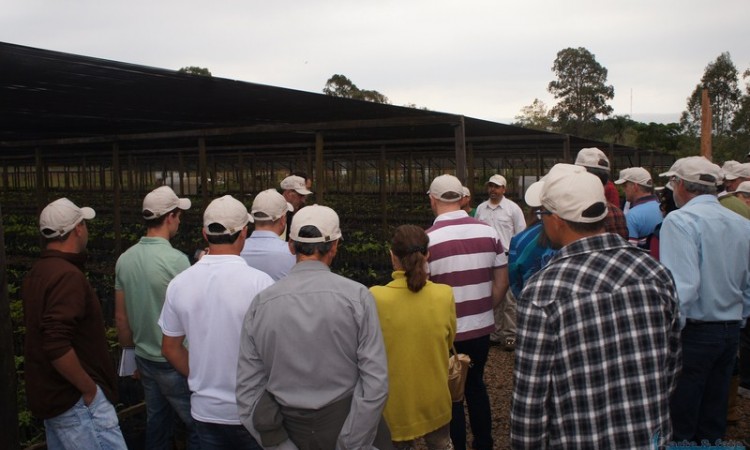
(499, 379)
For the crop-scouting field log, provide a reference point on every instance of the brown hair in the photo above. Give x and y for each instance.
(409, 245)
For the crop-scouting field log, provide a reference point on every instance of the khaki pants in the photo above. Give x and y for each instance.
(505, 320)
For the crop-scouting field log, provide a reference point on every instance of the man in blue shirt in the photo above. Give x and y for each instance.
(265, 250)
(644, 213)
(705, 247)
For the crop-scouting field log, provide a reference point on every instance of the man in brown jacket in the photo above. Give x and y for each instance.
(70, 378)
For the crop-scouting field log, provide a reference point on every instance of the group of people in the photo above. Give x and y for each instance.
(260, 345)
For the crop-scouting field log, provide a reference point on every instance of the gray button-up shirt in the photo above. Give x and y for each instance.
(311, 339)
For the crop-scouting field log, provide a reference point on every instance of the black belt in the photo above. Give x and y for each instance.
(720, 322)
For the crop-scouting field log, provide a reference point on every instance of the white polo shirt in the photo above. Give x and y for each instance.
(207, 303)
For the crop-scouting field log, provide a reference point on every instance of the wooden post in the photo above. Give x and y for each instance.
(383, 193)
(706, 125)
(203, 169)
(131, 170)
(116, 188)
(8, 393)
(40, 191)
(320, 168)
(181, 172)
(460, 134)
(240, 174)
(469, 183)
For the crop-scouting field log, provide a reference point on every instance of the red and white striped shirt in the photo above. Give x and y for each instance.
(463, 254)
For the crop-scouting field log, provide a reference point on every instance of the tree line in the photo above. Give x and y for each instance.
(582, 94)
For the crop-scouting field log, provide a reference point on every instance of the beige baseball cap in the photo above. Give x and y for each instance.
(695, 169)
(162, 200)
(296, 183)
(498, 180)
(321, 217)
(592, 157)
(739, 170)
(728, 169)
(574, 196)
(637, 175)
(61, 216)
(446, 188)
(744, 187)
(534, 191)
(269, 205)
(228, 212)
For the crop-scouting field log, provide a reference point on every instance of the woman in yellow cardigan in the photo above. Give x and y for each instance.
(418, 318)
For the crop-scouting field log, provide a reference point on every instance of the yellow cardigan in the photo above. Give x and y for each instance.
(418, 329)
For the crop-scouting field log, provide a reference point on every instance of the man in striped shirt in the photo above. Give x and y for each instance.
(467, 254)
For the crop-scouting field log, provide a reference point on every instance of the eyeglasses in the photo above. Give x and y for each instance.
(541, 212)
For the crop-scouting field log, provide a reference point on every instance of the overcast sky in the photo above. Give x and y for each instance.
(484, 59)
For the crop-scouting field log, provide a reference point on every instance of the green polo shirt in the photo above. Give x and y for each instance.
(143, 273)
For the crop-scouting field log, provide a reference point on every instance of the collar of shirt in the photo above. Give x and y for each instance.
(599, 242)
(705, 198)
(499, 204)
(452, 215)
(153, 240)
(220, 259)
(644, 199)
(310, 265)
(264, 234)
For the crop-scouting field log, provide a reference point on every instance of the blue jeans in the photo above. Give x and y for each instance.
(477, 400)
(166, 392)
(215, 436)
(90, 427)
(699, 403)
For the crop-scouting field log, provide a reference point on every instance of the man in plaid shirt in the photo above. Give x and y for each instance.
(598, 331)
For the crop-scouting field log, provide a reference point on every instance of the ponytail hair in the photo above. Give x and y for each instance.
(409, 245)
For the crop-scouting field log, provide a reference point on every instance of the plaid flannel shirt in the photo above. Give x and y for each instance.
(615, 221)
(597, 350)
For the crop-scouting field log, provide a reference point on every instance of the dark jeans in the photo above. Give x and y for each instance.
(699, 403)
(166, 392)
(745, 357)
(216, 436)
(477, 400)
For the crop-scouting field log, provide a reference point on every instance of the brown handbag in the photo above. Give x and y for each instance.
(458, 367)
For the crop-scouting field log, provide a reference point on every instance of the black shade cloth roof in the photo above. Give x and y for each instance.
(47, 97)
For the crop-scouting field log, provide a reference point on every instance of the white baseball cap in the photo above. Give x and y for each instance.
(637, 175)
(321, 217)
(446, 188)
(296, 183)
(592, 157)
(269, 205)
(465, 191)
(61, 216)
(744, 187)
(733, 170)
(534, 191)
(498, 180)
(574, 196)
(728, 169)
(228, 212)
(161, 201)
(695, 169)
